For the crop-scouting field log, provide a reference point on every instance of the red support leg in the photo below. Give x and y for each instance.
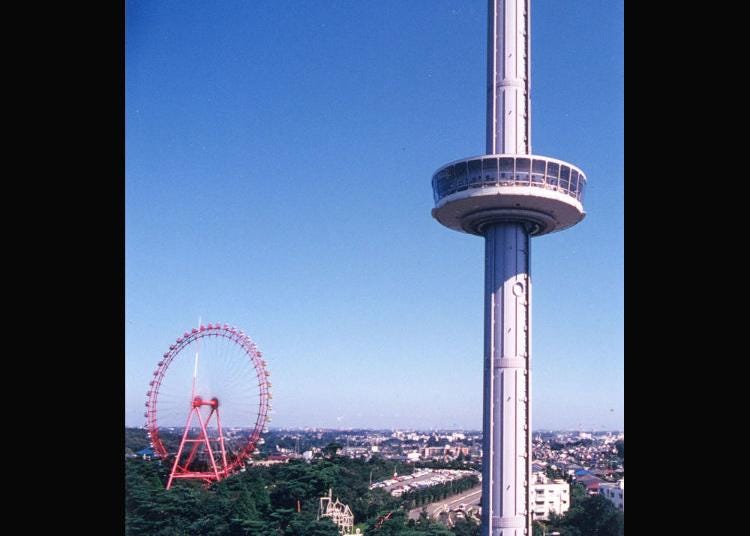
(191, 456)
(218, 471)
(221, 440)
(208, 446)
(179, 451)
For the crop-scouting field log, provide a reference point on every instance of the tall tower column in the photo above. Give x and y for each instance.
(508, 76)
(505, 476)
(508, 196)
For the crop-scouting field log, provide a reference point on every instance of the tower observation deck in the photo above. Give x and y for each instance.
(508, 196)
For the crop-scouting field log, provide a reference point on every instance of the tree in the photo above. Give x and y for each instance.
(592, 515)
(466, 527)
(331, 449)
(307, 525)
(253, 528)
(263, 501)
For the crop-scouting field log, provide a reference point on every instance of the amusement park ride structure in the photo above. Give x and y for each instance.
(236, 384)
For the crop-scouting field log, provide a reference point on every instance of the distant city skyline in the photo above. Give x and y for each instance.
(278, 166)
(402, 429)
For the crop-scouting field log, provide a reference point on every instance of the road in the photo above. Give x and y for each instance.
(473, 496)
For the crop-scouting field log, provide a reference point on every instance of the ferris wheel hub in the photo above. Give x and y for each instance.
(198, 402)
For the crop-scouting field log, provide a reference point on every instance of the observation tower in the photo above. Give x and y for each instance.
(507, 196)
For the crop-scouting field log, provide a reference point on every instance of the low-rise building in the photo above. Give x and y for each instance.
(590, 481)
(548, 496)
(614, 492)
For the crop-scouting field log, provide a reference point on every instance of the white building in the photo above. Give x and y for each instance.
(548, 496)
(615, 492)
(338, 512)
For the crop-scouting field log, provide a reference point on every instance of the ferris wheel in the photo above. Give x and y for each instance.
(208, 403)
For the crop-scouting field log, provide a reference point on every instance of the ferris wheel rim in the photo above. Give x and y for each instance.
(241, 339)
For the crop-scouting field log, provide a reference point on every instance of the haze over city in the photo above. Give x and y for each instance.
(278, 165)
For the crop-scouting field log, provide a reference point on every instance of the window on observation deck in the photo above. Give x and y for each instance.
(475, 173)
(564, 178)
(522, 171)
(489, 171)
(462, 176)
(449, 184)
(506, 171)
(573, 182)
(453, 182)
(442, 182)
(538, 167)
(553, 170)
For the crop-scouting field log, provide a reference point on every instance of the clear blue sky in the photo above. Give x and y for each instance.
(278, 164)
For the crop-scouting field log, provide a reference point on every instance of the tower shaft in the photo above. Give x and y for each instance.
(508, 77)
(508, 196)
(507, 353)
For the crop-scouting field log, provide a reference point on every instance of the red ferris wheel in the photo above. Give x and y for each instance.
(208, 403)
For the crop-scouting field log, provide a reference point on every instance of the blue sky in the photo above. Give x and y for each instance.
(278, 164)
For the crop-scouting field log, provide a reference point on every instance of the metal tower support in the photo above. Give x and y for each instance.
(506, 467)
(507, 285)
(508, 77)
(507, 196)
